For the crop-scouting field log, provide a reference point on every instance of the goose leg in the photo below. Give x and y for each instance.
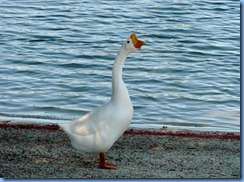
(104, 164)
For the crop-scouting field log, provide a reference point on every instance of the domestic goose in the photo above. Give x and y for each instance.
(99, 129)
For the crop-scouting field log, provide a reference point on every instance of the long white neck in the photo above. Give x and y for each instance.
(119, 90)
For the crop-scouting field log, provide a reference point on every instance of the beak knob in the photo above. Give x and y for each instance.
(137, 43)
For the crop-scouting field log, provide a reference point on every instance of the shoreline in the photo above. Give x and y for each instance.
(133, 131)
(44, 151)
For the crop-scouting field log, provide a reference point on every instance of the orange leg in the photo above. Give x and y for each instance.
(104, 164)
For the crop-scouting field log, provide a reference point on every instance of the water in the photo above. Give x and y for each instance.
(57, 57)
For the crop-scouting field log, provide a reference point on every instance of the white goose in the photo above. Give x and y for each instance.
(99, 129)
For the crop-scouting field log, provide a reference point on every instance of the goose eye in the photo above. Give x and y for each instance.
(128, 41)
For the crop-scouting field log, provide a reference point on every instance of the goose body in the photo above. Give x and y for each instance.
(99, 129)
(89, 135)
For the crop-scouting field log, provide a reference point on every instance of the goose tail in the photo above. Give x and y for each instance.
(63, 126)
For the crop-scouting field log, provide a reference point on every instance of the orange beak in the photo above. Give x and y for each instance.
(137, 43)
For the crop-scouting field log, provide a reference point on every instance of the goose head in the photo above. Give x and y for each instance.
(132, 44)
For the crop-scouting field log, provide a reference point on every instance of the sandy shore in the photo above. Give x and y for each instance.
(29, 151)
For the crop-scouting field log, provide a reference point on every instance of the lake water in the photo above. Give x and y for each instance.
(57, 57)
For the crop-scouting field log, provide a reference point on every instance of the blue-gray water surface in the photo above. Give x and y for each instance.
(57, 56)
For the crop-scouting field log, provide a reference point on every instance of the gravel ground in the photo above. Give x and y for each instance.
(39, 153)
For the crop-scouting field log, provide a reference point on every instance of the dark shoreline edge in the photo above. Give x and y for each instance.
(187, 134)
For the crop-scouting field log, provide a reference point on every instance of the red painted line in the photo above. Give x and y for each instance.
(232, 136)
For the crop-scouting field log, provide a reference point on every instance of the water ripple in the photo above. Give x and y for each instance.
(56, 61)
